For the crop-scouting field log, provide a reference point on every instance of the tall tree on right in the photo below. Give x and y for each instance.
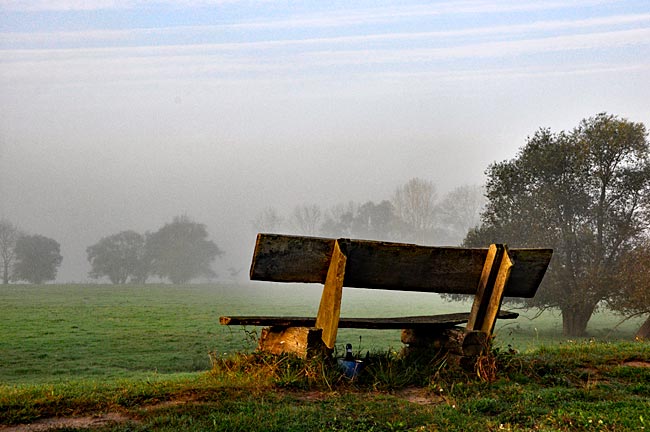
(634, 280)
(585, 193)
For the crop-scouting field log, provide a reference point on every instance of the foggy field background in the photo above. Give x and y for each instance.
(122, 115)
(58, 333)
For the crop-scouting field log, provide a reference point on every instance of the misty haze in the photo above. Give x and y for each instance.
(145, 145)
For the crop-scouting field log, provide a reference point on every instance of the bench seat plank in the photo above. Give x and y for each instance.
(412, 322)
(392, 266)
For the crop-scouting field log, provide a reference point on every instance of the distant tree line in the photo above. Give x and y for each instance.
(29, 258)
(179, 252)
(413, 213)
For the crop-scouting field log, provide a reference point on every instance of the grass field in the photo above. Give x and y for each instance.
(143, 351)
(54, 333)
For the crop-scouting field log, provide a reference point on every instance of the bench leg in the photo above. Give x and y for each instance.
(329, 310)
(487, 302)
(301, 341)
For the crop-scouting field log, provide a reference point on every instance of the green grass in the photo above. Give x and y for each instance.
(54, 333)
(68, 350)
(573, 387)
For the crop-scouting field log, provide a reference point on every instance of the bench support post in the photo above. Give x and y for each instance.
(489, 295)
(301, 341)
(329, 310)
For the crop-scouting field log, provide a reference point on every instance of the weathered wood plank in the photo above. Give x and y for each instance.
(284, 258)
(444, 320)
(392, 266)
(494, 278)
(296, 340)
(329, 310)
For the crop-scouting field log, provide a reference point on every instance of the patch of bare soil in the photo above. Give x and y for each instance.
(415, 395)
(87, 422)
(69, 422)
(310, 396)
(420, 396)
(95, 420)
(643, 364)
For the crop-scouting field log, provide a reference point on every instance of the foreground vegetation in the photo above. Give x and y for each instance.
(578, 386)
(141, 354)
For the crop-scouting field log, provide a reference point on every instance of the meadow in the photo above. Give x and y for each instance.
(73, 349)
(54, 333)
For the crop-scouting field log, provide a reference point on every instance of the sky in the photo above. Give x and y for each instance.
(119, 114)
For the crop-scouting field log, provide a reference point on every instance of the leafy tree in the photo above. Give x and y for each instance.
(375, 221)
(583, 193)
(181, 251)
(37, 259)
(120, 257)
(8, 236)
(633, 281)
(339, 219)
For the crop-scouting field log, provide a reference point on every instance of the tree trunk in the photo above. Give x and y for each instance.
(5, 274)
(575, 318)
(644, 331)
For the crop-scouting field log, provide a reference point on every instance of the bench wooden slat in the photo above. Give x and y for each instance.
(444, 320)
(392, 266)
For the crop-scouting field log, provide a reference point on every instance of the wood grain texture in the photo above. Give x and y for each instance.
(424, 321)
(329, 309)
(296, 340)
(392, 266)
(489, 296)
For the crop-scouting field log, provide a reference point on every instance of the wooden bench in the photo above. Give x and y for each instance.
(487, 274)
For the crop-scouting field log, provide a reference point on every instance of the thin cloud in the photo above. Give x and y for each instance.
(212, 61)
(127, 35)
(91, 5)
(332, 18)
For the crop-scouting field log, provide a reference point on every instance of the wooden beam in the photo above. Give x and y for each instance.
(491, 288)
(392, 266)
(424, 321)
(329, 310)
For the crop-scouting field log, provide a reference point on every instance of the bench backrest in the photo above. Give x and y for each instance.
(392, 266)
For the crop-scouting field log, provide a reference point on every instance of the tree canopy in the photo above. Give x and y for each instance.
(120, 257)
(585, 194)
(181, 251)
(633, 282)
(37, 259)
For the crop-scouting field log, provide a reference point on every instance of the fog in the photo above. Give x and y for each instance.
(111, 121)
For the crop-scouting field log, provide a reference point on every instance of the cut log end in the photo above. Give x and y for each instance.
(300, 341)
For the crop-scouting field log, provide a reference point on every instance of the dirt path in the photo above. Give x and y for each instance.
(70, 422)
(414, 395)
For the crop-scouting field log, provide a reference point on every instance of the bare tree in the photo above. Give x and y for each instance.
(460, 211)
(8, 236)
(268, 220)
(306, 219)
(415, 206)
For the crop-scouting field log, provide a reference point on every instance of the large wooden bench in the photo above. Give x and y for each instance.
(488, 274)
